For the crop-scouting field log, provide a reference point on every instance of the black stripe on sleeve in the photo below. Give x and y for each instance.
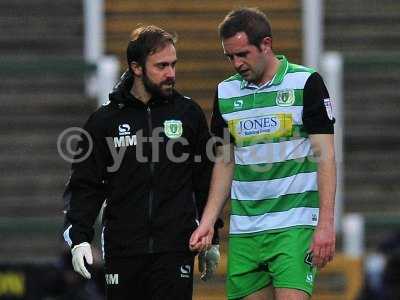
(317, 106)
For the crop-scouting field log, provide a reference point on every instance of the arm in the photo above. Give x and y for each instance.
(323, 245)
(318, 121)
(220, 186)
(85, 191)
(220, 182)
(203, 239)
(219, 192)
(84, 196)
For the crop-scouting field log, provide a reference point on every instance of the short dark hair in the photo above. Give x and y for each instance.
(147, 40)
(252, 21)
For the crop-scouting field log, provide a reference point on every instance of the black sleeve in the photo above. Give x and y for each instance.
(317, 107)
(202, 169)
(85, 191)
(219, 125)
(202, 164)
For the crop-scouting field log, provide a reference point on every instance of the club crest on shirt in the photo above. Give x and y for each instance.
(285, 98)
(173, 129)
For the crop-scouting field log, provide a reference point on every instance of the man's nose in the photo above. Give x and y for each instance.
(170, 72)
(237, 62)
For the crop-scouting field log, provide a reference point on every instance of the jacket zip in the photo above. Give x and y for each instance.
(151, 193)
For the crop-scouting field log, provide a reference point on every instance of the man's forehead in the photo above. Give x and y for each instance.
(167, 53)
(238, 41)
(241, 37)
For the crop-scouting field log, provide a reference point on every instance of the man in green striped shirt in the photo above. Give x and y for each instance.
(281, 174)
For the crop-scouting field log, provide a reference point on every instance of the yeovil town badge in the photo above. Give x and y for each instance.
(173, 129)
(285, 98)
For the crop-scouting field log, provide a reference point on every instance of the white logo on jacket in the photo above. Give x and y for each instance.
(125, 139)
(112, 279)
(124, 129)
(185, 271)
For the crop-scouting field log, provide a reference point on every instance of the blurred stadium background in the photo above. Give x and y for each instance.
(48, 84)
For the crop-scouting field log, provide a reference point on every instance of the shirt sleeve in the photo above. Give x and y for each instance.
(317, 107)
(219, 126)
(202, 167)
(85, 191)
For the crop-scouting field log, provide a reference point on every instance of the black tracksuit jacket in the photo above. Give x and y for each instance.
(151, 206)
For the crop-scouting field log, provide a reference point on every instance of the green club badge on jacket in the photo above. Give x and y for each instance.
(285, 98)
(173, 129)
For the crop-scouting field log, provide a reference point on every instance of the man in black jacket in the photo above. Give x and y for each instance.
(148, 160)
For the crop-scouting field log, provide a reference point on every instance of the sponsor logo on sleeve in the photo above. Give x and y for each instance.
(329, 108)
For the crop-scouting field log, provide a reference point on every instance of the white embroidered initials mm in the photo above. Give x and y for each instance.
(111, 279)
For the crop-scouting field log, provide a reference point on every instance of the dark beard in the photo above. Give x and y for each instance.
(155, 90)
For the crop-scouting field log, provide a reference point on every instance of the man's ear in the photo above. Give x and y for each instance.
(266, 44)
(136, 69)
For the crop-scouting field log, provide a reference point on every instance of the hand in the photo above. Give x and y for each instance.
(208, 262)
(80, 253)
(323, 245)
(201, 238)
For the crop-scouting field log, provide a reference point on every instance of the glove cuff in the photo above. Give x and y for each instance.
(84, 244)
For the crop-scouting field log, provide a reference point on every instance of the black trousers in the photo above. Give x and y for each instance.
(150, 277)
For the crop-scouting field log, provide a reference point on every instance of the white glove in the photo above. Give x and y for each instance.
(208, 262)
(80, 253)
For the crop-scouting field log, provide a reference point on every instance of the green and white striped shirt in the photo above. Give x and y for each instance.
(275, 178)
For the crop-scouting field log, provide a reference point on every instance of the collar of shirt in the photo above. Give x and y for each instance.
(276, 80)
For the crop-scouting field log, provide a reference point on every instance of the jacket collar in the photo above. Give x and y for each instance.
(121, 94)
